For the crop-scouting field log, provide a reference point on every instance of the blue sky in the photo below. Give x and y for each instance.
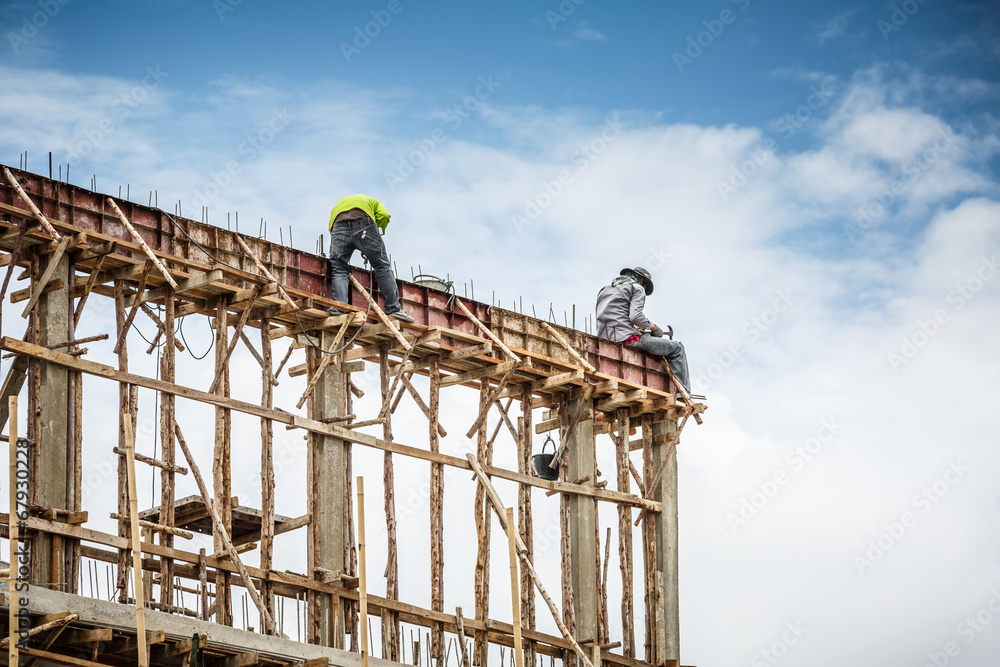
(817, 194)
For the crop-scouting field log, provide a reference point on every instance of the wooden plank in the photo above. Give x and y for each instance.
(241, 660)
(183, 286)
(351, 319)
(34, 209)
(133, 498)
(496, 370)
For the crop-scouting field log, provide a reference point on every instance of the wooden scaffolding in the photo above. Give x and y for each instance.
(531, 376)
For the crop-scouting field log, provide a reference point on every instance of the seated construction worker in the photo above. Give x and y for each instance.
(620, 318)
(358, 222)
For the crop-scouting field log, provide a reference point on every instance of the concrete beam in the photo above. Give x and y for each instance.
(329, 465)
(582, 525)
(55, 317)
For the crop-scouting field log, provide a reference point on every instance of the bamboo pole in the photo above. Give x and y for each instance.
(13, 599)
(142, 244)
(31, 205)
(224, 534)
(515, 597)
(362, 581)
(133, 501)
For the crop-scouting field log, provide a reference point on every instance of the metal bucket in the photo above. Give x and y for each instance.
(541, 462)
(433, 282)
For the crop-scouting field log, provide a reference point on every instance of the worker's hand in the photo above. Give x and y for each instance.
(656, 331)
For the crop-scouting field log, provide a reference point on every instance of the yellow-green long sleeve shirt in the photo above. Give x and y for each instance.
(372, 207)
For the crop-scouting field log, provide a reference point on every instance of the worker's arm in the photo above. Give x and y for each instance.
(637, 302)
(381, 216)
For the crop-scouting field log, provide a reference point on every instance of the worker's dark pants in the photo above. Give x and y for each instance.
(362, 235)
(672, 351)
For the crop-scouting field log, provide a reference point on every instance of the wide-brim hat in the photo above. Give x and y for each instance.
(644, 276)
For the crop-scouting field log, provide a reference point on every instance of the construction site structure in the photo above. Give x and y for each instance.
(176, 605)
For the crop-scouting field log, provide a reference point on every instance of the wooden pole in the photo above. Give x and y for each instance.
(390, 620)
(142, 244)
(525, 521)
(221, 463)
(460, 622)
(486, 330)
(482, 517)
(167, 406)
(569, 348)
(362, 581)
(126, 405)
(515, 593)
(498, 507)
(436, 509)
(12, 597)
(266, 466)
(133, 501)
(625, 537)
(379, 312)
(224, 534)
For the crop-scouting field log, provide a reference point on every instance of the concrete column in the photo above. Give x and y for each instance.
(54, 311)
(582, 520)
(329, 519)
(668, 628)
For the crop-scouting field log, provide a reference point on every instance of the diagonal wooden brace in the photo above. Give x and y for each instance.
(381, 314)
(34, 209)
(47, 274)
(486, 330)
(142, 244)
(267, 274)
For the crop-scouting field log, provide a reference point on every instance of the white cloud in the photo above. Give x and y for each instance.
(833, 28)
(646, 193)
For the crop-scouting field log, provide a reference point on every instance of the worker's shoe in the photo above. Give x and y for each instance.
(335, 311)
(401, 315)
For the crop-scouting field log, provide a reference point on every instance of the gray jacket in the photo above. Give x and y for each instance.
(619, 310)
